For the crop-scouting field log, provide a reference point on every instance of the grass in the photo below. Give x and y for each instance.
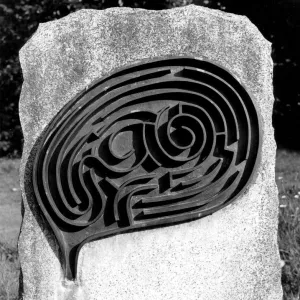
(288, 182)
(9, 272)
(10, 220)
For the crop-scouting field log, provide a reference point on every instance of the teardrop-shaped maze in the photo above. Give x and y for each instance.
(158, 143)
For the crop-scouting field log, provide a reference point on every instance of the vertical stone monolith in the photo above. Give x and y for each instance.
(149, 158)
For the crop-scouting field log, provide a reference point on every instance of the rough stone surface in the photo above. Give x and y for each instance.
(231, 254)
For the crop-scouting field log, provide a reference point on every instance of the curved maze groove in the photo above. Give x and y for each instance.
(157, 143)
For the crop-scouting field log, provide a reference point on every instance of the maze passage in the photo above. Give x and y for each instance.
(154, 144)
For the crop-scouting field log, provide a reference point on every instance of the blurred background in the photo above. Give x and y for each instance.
(277, 20)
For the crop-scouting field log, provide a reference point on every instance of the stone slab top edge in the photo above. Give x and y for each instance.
(53, 38)
(244, 20)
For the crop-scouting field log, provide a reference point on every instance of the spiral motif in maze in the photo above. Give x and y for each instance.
(161, 142)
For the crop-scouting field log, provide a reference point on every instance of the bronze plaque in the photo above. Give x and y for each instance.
(154, 144)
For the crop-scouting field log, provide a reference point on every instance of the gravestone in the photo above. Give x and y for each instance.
(148, 162)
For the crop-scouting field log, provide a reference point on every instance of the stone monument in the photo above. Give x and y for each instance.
(148, 161)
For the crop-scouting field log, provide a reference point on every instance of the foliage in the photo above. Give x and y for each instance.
(19, 19)
(277, 19)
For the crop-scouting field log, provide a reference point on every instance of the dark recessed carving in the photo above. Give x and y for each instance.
(154, 144)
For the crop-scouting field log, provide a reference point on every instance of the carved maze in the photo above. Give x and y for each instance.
(154, 144)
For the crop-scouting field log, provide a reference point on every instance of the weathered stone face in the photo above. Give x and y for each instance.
(231, 254)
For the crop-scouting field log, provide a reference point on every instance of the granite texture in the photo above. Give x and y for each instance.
(232, 254)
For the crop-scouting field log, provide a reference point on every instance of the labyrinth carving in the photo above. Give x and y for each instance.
(154, 144)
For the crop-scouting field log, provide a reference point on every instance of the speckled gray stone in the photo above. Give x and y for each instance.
(231, 254)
